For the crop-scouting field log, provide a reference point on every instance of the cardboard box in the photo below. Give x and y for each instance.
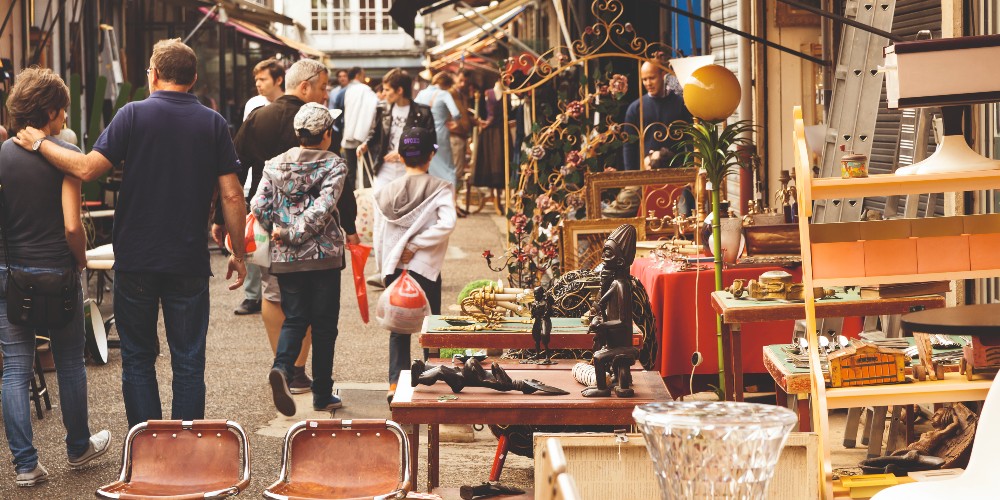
(890, 257)
(984, 251)
(943, 254)
(981, 224)
(892, 229)
(845, 259)
(834, 232)
(937, 226)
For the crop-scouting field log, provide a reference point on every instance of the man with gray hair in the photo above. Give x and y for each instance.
(268, 132)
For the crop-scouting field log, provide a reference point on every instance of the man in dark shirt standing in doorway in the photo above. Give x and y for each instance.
(660, 104)
(176, 153)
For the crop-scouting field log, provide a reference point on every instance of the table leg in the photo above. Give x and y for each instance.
(736, 351)
(877, 429)
(413, 435)
(851, 429)
(805, 414)
(433, 446)
(727, 362)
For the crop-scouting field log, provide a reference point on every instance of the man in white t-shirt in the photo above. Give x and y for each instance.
(269, 78)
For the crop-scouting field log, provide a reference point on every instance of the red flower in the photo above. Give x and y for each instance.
(574, 109)
(487, 255)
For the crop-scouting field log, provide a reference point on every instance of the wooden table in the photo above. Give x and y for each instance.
(567, 333)
(791, 382)
(736, 312)
(476, 405)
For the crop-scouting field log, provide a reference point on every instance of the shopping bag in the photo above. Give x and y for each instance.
(402, 306)
(359, 256)
(256, 242)
(365, 196)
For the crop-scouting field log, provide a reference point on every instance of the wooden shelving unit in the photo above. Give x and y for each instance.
(953, 387)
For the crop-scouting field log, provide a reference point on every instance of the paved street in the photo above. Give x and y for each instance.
(238, 361)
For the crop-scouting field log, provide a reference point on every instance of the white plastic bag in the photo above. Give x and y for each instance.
(402, 306)
(257, 243)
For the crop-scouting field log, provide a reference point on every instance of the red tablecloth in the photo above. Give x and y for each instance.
(672, 295)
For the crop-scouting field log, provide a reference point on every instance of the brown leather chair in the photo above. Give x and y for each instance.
(182, 460)
(343, 459)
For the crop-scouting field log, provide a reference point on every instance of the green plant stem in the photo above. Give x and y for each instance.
(717, 251)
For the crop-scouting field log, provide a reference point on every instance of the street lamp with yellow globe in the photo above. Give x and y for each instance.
(712, 93)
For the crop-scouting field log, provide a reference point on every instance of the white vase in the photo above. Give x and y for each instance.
(731, 229)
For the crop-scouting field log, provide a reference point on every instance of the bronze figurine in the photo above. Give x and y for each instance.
(612, 317)
(472, 374)
(542, 309)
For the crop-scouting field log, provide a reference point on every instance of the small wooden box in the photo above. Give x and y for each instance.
(866, 364)
(605, 469)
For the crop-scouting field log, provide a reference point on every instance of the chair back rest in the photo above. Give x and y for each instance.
(986, 446)
(548, 466)
(364, 454)
(200, 452)
(566, 488)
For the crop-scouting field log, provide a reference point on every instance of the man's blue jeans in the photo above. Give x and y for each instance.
(138, 297)
(310, 298)
(18, 343)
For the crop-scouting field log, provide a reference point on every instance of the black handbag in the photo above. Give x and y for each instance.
(40, 300)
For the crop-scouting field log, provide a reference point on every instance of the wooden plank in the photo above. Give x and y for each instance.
(952, 389)
(904, 278)
(892, 184)
(851, 305)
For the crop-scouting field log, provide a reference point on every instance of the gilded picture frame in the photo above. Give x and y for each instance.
(592, 232)
(597, 182)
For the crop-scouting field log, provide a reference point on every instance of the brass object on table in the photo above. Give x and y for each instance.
(772, 285)
(776, 239)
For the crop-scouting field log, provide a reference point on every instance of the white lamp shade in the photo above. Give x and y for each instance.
(684, 66)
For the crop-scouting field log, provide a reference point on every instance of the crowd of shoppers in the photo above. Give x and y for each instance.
(294, 161)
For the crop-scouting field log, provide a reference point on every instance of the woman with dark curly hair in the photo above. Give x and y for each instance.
(44, 235)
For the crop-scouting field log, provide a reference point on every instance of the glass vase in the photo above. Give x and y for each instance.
(714, 450)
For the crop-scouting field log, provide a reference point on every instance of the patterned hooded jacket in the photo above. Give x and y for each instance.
(298, 196)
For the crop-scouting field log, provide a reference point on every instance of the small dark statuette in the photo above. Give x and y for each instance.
(542, 309)
(612, 317)
(472, 374)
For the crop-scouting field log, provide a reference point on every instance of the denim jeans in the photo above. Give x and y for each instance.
(251, 287)
(399, 343)
(67, 344)
(138, 296)
(310, 298)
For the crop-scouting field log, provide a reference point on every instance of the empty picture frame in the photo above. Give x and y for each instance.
(583, 240)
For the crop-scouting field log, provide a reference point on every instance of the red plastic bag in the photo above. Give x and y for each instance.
(402, 306)
(359, 257)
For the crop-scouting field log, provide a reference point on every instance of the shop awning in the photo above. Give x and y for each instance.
(460, 24)
(405, 11)
(484, 35)
(241, 10)
(249, 29)
(304, 49)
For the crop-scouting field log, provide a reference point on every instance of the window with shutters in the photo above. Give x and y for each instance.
(352, 16)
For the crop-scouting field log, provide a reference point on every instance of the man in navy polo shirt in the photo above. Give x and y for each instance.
(176, 153)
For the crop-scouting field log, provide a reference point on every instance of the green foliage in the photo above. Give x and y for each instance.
(713, 147)
(470, 287)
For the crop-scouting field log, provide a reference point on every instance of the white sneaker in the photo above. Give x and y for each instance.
(38, 475)
(99, 445)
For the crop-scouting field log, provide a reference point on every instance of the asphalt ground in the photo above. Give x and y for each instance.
(239, 359)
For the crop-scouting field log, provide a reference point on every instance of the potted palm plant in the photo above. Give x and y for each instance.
(720, 149)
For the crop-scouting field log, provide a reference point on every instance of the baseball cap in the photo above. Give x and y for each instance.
(313, 118)
(417, 142)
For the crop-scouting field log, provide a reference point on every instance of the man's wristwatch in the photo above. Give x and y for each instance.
(37, 144)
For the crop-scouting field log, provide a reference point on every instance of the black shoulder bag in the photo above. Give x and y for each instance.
(40, 300)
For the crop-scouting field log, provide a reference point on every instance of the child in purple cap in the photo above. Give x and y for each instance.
(414, 217)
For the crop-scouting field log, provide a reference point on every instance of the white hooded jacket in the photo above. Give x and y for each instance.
(415, 212)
